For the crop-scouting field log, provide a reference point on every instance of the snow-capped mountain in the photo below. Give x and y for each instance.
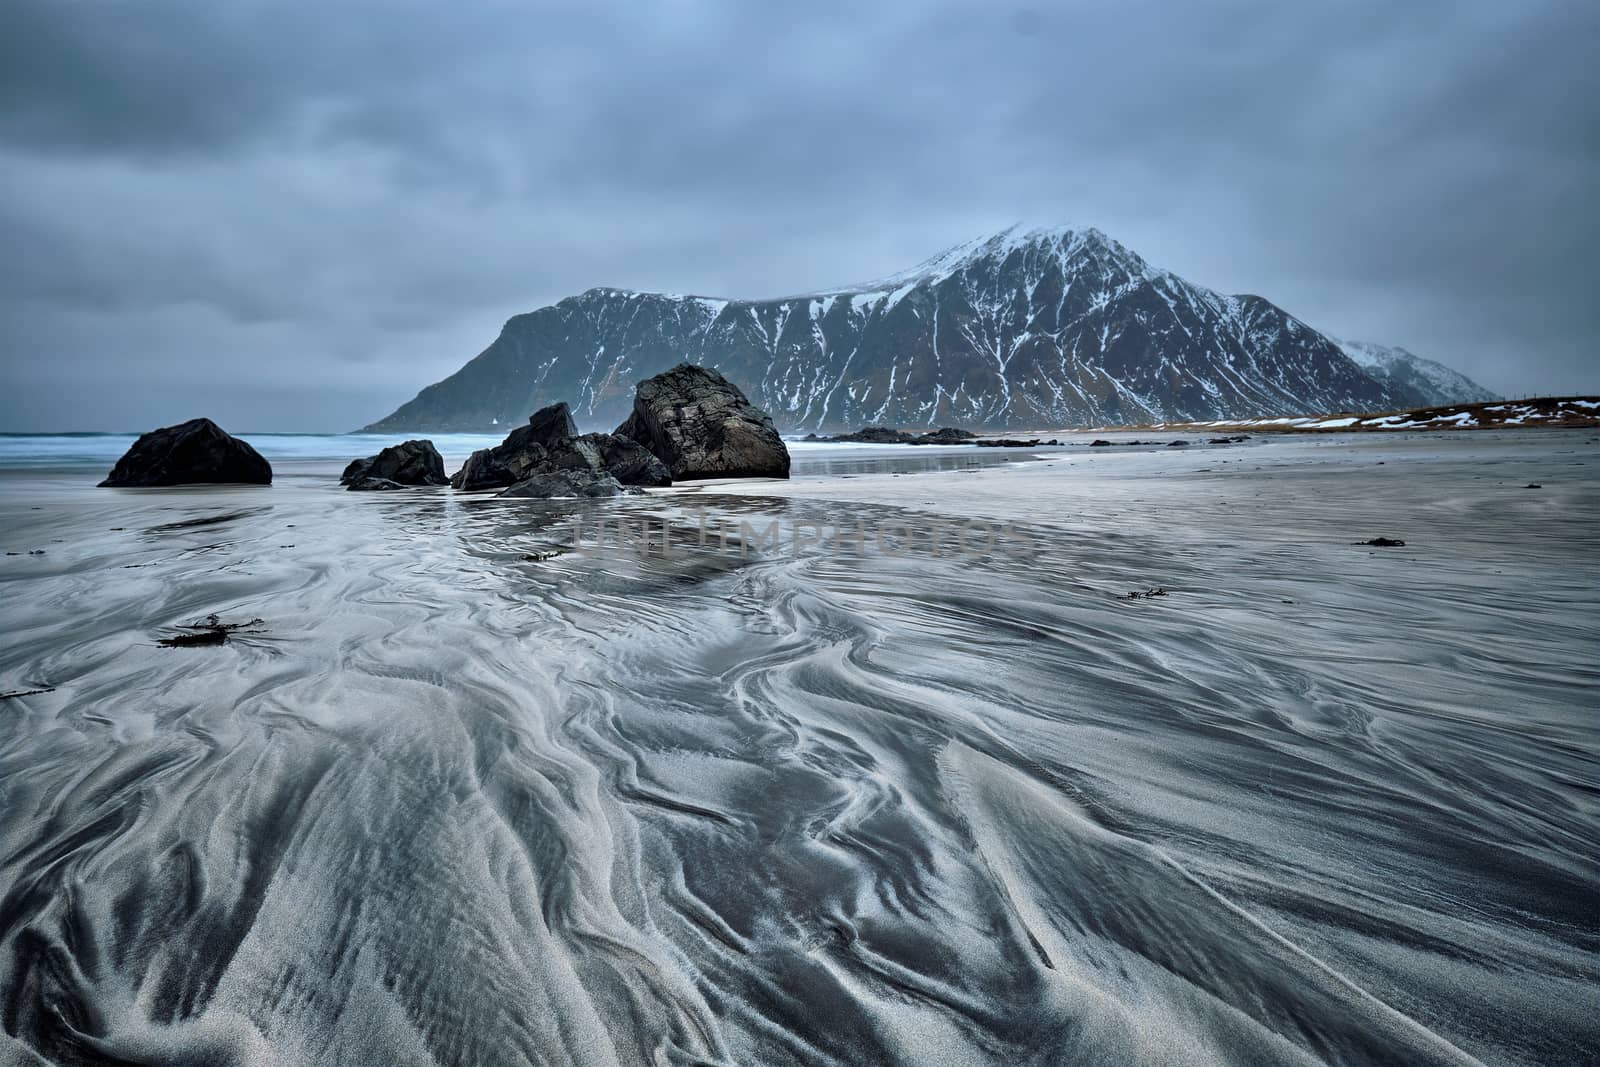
(1026, 328)
(1422, 382)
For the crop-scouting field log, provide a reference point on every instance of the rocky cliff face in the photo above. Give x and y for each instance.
(1027, 328)
(1419, 382)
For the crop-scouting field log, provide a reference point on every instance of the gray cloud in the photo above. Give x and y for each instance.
(304, 212)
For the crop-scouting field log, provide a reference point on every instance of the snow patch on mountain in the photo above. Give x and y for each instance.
(1422, 381)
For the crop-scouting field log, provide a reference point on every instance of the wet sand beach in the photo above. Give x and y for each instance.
(475, 791)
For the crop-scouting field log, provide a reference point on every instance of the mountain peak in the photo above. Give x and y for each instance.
(1062, 242)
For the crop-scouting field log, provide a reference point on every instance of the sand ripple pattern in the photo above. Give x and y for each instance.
(455, 806)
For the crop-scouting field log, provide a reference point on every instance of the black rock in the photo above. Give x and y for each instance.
(701, 426)
(408, 463)
(1008, 442)
(574, 454)
(1177, 444)
(629, 462)
(886, 435)
(1097, 443)
(482, 470)
(509, 462)
(524, 452)
(566, 483)
(876, 435)
(367, 483)
(197, 452)
(1383, 542)
(551, 424)
(945, 435)
(521, 456)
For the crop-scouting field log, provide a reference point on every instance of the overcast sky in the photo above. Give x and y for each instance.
(292, 214)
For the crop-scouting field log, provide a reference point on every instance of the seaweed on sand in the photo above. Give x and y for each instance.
(213, 631)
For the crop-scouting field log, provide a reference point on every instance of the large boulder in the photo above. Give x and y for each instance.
(408, 463)
(191, 453)
(701, 426)
(567, 483)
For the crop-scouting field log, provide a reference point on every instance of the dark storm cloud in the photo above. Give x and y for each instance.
(306, 211)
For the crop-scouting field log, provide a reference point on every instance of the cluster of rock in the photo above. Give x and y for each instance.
(1013, 442)
(945, 435)
(885, 435)
(549, 457)
(687, 422)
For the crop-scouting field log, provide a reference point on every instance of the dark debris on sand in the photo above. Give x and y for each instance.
(27, 692)
(1146, 594)
(213, 631)
(1382, 542)
(204, 520)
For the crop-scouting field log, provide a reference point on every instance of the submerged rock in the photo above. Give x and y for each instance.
(566, 483)
(369, 484)
(197, 452)
(701, 426)
(408, 463)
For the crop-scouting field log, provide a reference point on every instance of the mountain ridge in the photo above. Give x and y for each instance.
(1424, 381)
(1027, 327)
